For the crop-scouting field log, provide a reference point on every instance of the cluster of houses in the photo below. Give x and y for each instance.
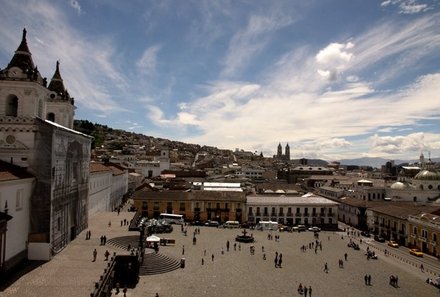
(51, 181)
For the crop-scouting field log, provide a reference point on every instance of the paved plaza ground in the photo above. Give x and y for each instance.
(233, 272)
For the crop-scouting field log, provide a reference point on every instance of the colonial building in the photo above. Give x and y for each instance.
(292, 210)
(424, 232)
(194, 205)
(36, 121)
(16, 186)
(391, 220)
(100, 188)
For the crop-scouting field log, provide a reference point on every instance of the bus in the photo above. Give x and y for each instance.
(171, 218)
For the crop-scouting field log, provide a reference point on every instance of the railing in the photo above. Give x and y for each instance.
(103, 287)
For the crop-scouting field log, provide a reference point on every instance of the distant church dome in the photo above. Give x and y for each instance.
(399, 186)
(427, 175)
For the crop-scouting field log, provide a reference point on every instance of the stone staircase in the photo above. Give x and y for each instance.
(156, 263)
(124, 241)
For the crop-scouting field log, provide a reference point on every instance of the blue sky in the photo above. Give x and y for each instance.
(334, 79)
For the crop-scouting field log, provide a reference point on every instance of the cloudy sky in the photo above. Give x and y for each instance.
(333, 78)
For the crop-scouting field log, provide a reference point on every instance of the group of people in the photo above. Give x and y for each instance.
(303, 289)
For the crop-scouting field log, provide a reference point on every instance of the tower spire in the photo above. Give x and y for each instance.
(22, 57)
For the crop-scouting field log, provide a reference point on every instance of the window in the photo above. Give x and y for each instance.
(434, 237)
(415, 230)
(156, 206)
(11, 106)
(209, 204)
(298, 210)
(218, 205)
(19, 200)
(50, 117)
(182, 206)
(59, 224)
(250, 210)
(265, 211)
(144, 204)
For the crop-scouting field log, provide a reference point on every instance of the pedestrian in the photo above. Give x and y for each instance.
(276, 259)
(106, 254)
(204, 253)
(212, 257)
(157, 295)
(109, 223)
(95, 253)
(203, 261)
(235, 246)
(345, 256)
(305, 290)
(280, 260)
(183, 250)
(369, 279)
(396, 280)
(227, 246)
(104, 239)
(310, 291)
(325, 267)
(366, 279)
(422, 268)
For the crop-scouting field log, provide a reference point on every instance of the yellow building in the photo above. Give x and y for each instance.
(424, 232)
(194, 205)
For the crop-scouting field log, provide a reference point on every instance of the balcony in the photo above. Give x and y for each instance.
(218, 209)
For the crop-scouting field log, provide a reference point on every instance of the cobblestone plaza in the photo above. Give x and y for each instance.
(231, 273)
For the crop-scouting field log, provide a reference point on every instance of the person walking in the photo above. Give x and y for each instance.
(325, 267)
(280, 260)
(345, 256)
(310, 291)
(305, 290)
(276, 259)
(95, 253)
(369, 279)
(106, 254)
(366, 279)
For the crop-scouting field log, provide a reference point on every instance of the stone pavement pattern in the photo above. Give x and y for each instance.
(233, 273)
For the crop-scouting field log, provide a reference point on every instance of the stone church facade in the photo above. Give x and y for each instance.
(36, 134)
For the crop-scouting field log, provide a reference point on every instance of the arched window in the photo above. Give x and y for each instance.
(51, 116)
(11, 106)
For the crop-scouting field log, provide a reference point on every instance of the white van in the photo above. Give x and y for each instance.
(231, 224)
(267, 225)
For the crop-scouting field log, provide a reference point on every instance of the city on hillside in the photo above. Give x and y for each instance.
(56, 173)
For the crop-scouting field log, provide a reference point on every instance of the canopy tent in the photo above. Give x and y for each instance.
(153, 238)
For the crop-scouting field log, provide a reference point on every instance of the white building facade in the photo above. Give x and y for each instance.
(292, 210)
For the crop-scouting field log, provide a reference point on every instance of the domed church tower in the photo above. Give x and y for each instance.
(59, 106)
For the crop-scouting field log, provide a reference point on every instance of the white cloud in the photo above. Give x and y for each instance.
(333, 59)
(397, 145)
(406, 6)
(147, 63)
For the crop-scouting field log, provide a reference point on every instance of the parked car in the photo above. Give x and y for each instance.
(314, 229)
(416, 252)
(365, 234)
(379, 238)
(392, 243)
(212, 223)
(301, 228)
